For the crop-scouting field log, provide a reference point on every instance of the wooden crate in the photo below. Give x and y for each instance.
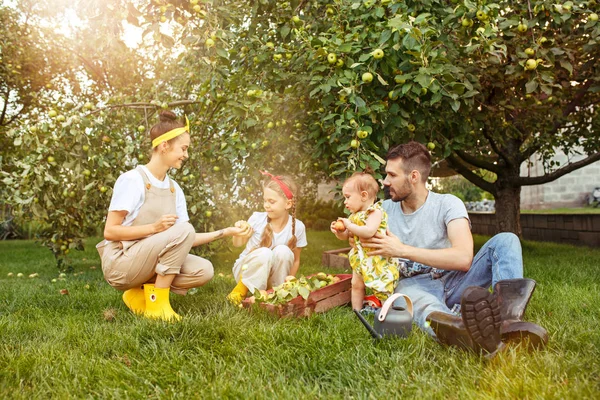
(332, 259)
(318, 301)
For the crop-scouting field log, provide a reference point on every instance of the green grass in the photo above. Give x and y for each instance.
(54, 346)
(580, 210)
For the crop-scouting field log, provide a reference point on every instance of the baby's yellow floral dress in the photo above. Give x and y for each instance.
(380, 274)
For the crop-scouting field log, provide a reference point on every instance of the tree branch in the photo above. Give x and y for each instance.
(538, 180)
(495, 147)
(530, 151)
(477, 162)
(457, 164)
(14, 117)
(143, 105)
(6, 95)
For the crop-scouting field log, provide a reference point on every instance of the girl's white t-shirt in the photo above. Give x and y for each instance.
(258, 222)
(129, 194)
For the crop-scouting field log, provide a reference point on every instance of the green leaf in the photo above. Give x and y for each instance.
(410, 42)
(531, 86)
(421, 18)
(435, 98)
(304, 292)
(358, 101)
(566, 65)
(455, 104)
(345, 48)
(379, 159)
(381, 80)
(423, 80)
(385, 36)
(284, 31)
(222, 53)
(167, 40)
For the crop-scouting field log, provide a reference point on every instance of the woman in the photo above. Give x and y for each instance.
(148, 236)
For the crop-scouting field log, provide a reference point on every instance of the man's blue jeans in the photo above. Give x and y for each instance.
(500, 258)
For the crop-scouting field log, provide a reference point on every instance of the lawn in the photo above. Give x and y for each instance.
(578, 210)
(66, 346)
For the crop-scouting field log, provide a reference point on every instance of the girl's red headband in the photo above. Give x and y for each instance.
(286, 190)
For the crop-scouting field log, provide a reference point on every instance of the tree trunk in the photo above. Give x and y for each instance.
(508, 209)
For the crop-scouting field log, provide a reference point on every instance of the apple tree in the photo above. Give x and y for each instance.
(486, 84)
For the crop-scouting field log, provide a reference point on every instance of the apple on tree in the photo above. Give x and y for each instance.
(367, 77)
(331, 58)
(531, 64)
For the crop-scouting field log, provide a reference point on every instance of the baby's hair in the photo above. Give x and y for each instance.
(167, 121)
(267, 237)
(364, 181)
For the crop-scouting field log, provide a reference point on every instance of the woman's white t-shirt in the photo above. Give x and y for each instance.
(129, 194)
(258, 222)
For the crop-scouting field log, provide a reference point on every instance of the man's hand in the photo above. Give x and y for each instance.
(386, 245)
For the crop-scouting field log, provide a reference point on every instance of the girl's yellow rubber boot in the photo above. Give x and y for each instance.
(135, 299)
(158, 305)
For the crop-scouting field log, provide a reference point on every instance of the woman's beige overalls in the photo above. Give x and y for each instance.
(131, 263)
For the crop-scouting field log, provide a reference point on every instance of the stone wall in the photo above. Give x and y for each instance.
(577, 229)
(571, 190)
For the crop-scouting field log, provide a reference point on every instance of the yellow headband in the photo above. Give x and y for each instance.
(173, 133)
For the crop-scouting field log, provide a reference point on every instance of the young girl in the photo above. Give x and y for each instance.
(374, 272)
(148, 236)
(273, 240)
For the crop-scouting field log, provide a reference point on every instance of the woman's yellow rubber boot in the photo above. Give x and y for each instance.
(158, 305)
(238, 294)
(135, 299)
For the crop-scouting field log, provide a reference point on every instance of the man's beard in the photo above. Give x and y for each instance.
(396, 198)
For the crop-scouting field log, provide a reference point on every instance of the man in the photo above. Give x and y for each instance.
(431, 232)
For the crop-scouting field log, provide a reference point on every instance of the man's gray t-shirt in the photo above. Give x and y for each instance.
(425, 228)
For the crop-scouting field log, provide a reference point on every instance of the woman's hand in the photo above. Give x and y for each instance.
(243, 232)
(246, 230)
(164, 223)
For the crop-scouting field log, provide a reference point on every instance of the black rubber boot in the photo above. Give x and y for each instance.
(513, 297)
(481, 317)
(450, 330)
